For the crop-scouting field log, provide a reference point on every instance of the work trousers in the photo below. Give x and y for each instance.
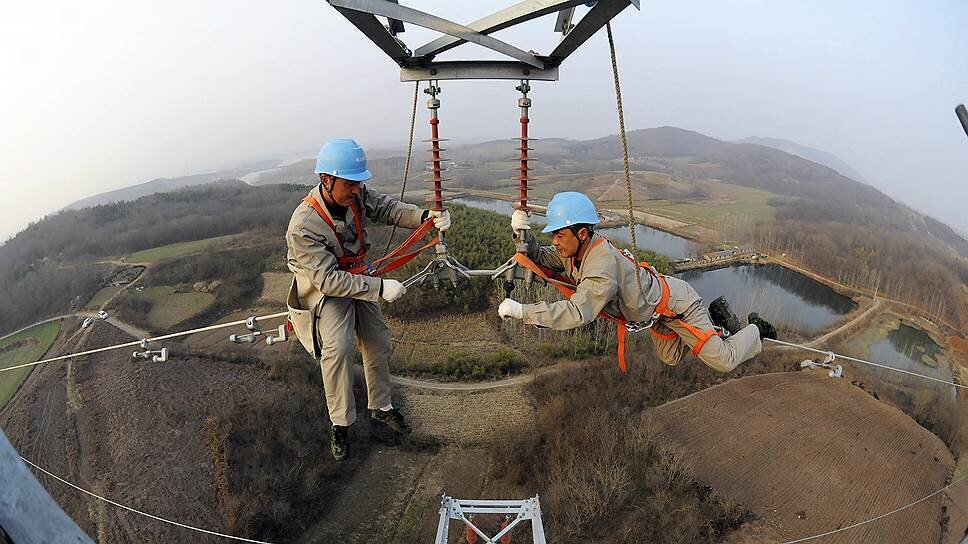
(344, 325)
(722, 356)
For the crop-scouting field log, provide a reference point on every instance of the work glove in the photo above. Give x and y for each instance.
(510, 309)
(392, 290)
(441, 219)
(520, 220)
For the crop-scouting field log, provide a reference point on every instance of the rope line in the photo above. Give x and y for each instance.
(625, 153)
(862, 361)
(138, 342)
(875, 518)
(139, 512)
(406, 167)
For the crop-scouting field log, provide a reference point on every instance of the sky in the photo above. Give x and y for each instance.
(101, 95)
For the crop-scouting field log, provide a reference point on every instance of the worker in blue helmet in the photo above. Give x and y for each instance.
(606, 281)
(333, 304)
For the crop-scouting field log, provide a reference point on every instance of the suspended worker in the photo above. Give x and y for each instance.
(333, 301)
(605, 282)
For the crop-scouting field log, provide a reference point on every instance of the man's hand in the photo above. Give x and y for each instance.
(441, 219)
(510, 309)
(392, 290)
(520, 220)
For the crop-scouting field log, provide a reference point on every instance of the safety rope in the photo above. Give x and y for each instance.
(875, 518)
(862, 361)
(156, 339)
(625, 152)
(139, 512)
(406, 168)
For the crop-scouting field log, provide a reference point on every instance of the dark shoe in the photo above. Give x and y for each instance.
(766, 329)
(721, 316)
(339, 442)
(391, 418)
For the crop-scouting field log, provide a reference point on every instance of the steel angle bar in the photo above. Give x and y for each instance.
(390, 10)
(563, 22)
(508, 17)
(477, 69)
(595, 19)
(371, 27)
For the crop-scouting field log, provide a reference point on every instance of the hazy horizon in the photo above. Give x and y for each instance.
(106, 96)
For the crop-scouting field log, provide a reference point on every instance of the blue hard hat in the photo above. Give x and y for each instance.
(570, 208)
(343, 158)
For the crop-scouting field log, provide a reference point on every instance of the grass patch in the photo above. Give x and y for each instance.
(463, 365)
(168, 305)
(24, 347)
(103, 296)
(726, 205)
(176, 250)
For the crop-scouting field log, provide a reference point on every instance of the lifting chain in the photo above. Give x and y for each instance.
(406, 167)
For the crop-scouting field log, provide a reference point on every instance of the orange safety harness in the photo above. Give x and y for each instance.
(567, 288)
(356, 264)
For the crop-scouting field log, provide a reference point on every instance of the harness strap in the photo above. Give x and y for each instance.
(661, 310)
(568, 290)
(355, 264)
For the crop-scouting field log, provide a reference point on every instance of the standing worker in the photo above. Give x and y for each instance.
(605, 279)
(333, 304)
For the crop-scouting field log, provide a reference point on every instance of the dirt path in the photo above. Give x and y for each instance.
(816, 342)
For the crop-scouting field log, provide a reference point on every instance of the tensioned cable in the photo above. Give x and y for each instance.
(138, 342)
(862, 361)
(406, 167)
(139, 512)
(875, 518)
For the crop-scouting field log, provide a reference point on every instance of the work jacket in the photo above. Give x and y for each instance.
(605, 281)
(314, 253)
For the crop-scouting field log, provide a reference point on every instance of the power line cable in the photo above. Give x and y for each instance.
(139, 512)
(138, 342)
(875, 518)
(862, 361)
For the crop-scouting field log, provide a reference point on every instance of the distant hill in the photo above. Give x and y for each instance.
(816, 155)
(163, 185)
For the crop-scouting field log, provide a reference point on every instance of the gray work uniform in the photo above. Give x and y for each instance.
(334, 311)
(606, 281)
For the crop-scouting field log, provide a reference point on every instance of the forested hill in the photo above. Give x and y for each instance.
(41, 268)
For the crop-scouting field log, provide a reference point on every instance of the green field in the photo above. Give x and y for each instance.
(39, 339)
(168, 306)
(176, 250)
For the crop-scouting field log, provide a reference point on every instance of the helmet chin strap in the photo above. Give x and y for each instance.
(329, 190)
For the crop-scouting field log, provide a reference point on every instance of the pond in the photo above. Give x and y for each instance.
(910, 348)
(779, 294)
(667, 244)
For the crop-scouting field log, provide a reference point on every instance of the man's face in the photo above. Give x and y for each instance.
(343, 192)
(566, 243)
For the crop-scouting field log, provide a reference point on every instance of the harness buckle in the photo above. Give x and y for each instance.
(639, 326)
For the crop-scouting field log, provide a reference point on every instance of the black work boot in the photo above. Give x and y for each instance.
(721, 316)
(339, 442)
(392, 418)
(766, 329)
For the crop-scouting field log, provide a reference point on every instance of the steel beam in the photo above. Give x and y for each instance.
(376, 32)
(390, 10)
(595, 19)
(518, 13)
(483, 69)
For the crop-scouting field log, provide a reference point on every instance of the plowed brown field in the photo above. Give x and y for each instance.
(809, 454)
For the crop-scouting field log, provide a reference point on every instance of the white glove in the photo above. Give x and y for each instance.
(392, 290)
(520, 220)
(510, 309)
(441, 219)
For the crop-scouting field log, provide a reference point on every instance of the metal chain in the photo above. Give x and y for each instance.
(625, 153)
(406, 168)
